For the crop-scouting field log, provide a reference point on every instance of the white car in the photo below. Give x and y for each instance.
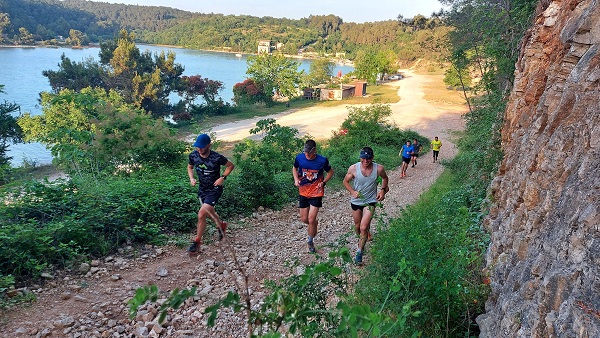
(395, 77)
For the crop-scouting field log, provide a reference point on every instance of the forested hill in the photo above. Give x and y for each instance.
(44, 20)
(409, 39)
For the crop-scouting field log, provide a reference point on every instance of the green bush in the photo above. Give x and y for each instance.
(265, 167)
(368, 126)
(46, 226)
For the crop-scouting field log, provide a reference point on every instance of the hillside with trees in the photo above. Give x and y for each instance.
(35, 21)
(47, 19)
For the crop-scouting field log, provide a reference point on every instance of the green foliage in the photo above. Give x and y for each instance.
(9, 296)
(367, 126)
(91, 132)
(453, 79)
(143, 79)
(321, 71)
(265, 167)
(10, 132)
(487, 34)
(250, 92)
(443, 279)
(46, 226)
(150, 293)
(75, 75)
(275, 74)
(373, 62)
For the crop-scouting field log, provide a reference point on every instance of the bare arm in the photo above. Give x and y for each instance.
(384, 182)
(349, 177)
(329, 176)
(296, 178)
(228, 169)
(190, 171)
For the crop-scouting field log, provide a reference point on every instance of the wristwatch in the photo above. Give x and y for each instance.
(224, 177)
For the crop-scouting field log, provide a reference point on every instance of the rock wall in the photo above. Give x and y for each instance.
(544, 258)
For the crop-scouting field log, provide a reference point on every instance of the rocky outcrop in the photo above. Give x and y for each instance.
(544, 258)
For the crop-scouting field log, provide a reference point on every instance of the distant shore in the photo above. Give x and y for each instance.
(343, 62)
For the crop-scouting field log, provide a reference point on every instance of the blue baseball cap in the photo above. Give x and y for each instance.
(366, 153)
(202, 141)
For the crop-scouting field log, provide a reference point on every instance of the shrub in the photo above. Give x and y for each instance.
(265, 166)
(46, 226)
(250, 92)
(367, 126)
(441, 278)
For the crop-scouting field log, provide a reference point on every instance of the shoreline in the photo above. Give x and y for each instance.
(337, 61)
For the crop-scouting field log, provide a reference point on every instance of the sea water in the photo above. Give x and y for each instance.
(21, 74)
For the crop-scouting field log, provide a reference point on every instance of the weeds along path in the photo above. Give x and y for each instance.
(94, 304)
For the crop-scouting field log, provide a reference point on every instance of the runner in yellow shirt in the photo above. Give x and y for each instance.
(435, 146)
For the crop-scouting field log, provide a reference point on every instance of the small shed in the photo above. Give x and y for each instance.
(312, 93)
(339, 93)
(361, 88)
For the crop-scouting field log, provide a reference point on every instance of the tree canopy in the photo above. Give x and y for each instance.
(91, 131)
(10, 132)
(143, 79)
(276, 74)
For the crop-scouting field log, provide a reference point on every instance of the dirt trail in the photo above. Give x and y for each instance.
(94, 304)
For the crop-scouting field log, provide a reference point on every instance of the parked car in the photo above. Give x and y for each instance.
(395, 77)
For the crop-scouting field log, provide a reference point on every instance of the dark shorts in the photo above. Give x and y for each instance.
(210, 196)
(305, 202)
(360, 207)
(415, 155)
(436, 152)
(406, 159)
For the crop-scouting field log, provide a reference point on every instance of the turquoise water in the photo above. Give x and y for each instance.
(21, 74)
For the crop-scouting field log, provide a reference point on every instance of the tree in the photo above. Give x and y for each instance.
(275, 74)
(77, 38)
(143, 79)
(320, 71)
(10, 132)
(25, 38)
(371, 63)
(249, 92)
(4, 21)
(75, 75)
(91, 131)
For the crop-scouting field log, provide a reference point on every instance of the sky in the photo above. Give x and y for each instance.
(350, 11)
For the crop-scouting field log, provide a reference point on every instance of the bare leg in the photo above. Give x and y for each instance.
(365, 225)
(312, 221)
(206, 210)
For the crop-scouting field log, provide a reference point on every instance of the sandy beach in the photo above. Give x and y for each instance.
(411, 112)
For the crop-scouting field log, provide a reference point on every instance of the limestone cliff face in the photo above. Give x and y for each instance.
(544, 258)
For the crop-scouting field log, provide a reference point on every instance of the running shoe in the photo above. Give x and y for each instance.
(311, 247)
(221, 230)
(358, 258)
(194, 248)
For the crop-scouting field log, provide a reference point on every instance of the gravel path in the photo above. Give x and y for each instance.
(94, 304)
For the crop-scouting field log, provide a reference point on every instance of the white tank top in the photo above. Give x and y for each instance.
(365, 185)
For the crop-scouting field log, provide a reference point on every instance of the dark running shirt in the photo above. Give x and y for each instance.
(208, 169)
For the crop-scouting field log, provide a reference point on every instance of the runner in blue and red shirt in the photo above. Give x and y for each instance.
(309, 176)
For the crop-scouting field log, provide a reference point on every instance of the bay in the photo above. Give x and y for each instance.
(21, 74)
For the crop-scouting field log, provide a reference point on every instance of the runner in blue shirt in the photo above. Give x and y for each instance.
(406, 153)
